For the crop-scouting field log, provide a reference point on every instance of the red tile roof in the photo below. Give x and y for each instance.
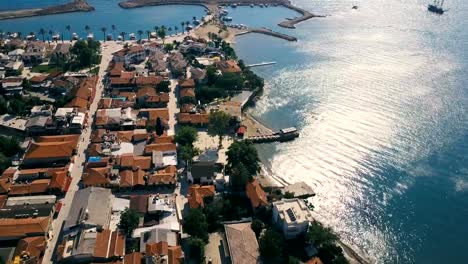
(96, 176)
(164, 147)
(256, 194)
(21, 227)
(196, 194)
(187, 83)
(133, 258)
(194, 119)
(148, 80)
(187, 92)
(157, 249)
(167, 175)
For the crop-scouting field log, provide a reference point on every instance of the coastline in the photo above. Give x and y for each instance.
(74, 6)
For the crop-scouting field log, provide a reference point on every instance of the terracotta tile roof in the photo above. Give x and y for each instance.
(159, 98)
(59, 180)
(256, 194)
(187, 83)
(140, 136)
(38, 78)
(175, 255)
(3, 199)
(154, 113)
(5, 185)
(160, 147)
(164, 176)
(33, 246)
(228, 66)
(21, 227)
(187, 92)
(194, 119)
(96, 176)
(196, 194)
(8, 173)
(133, 258)
(97, 134)
(60, 138)
(49, 150)
(125, 136)
(129, 178)
(105, 103)
(148, 80)
(127, 75)
(134, 162)
(116, 69)
(130, 96)
(146, 91)
(102, 243)
(120, 81)
(109, 244)
(162, 139)
(94, 149)
(35, 187)
(314, 260)
(78, 103)
(186, 108)
(139, 203)
(157, 249)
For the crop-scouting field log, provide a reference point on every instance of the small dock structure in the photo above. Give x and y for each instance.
(285, 134)
(261, 64)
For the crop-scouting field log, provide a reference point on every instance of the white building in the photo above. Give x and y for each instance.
(293, 216)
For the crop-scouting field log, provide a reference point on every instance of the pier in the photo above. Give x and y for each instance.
(285, 134)
(268, 32)
(261, 64)
(75, 6)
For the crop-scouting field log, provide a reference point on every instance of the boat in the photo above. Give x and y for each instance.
(189, 27)
(227, 19)
(436, 7)
(234, 5)
(13, 35)
(153, 35)
(109, 37)
(90, 36)
(355, 7)
(251, 5)
(55, 37)
(132, 36)
(31, 36)
(74, 36)
(119, 38)
(262, 5)
(196, 22)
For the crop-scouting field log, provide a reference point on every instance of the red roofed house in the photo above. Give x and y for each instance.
(196, 194)
(50, 150)
(256, 194)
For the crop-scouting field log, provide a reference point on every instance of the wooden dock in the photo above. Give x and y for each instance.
(285, 134)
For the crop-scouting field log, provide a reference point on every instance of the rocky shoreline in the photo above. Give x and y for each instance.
(74, 6)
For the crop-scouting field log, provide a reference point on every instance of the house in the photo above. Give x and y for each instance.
(132, 162)
(197, 119)
(30, 250)
(50, 151)
(187, 92)
(149, 116)
(164, 253)
(292, 216)
(186, 83)
(132, 178)
(35, 52)
(42, 110)
(89, 213)
(92, 245)
(197, 193)
(14, 68)
(16, 55)
(228, 66)
(202, 172)
(37, 125)
(130, 55)
(152, 81)
(61, 51)
(199, 75)
(176, 62)
(148, 97)
(156, 235)
(241, 243)
(12, 86)
(166, 176)
(139, 203)
(27, 226)
(256, 194)
(99, 177)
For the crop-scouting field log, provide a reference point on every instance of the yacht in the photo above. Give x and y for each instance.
(56, 37)
(436, 7)
(31, 36)
(227, 19)
(132, 36)
(90, 36)
(74, 36)
(109, 37)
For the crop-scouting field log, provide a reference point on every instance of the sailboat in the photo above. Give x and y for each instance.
(436, 7)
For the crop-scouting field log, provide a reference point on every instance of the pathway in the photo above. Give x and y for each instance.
(107, 50)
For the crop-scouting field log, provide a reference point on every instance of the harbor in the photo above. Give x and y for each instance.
(74, 6)
(268, 32)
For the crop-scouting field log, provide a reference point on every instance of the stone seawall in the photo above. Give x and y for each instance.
(75, 6)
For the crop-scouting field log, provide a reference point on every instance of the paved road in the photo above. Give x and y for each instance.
(107, 50)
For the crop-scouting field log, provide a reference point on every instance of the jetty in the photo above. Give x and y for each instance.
(290, 23)
(285, 134)
(74, 6)
(268, 32)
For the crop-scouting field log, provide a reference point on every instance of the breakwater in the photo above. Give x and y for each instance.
(268, 32)
(74, 6)
(212, 4)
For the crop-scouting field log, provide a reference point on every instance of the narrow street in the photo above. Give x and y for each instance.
(107, 50)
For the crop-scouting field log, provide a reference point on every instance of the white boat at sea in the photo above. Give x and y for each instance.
(132, 36)
(74, 36)
(227, 19)
(56, 37)
(109, 37)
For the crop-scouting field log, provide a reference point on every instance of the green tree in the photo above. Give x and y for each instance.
(289, 195)
(68, 28)
(195, 224)
(4, 162)
(3, 105)
(159, 127)
(140, 33)
(331, 253)
(218, 125)
(187, 100)
(42, 32)
(129, 221)
(271, 245)
(162, 33)
(257, 226)
(245, 153)
(9, 146)
(104, 29)
(240, 176)
(187, 153)
(186, 136)
(148, 33)
(319, 235)
(293, 260)
(113, 27)
(163, 87)
(197, 249)
(229, 81)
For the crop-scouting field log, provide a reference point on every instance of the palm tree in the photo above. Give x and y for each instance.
(187, 23)
(42, 32)
(104, 29)
(19, 35)
(113, 31)
(87, 28)
(148, 32)
(182, 24)
(156, 28)
(176, 28)
(68, 28)
(51, 33)
(122, 34)
(194, 18)
(1, 34)
(140, 32)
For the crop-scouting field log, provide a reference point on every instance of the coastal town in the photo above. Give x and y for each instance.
(139, 150)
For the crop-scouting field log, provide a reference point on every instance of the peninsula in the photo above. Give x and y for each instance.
(74, 6)
(212, 6)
